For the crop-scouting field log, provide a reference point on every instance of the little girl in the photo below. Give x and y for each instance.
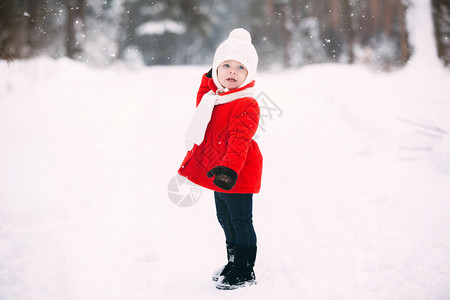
(224, 157)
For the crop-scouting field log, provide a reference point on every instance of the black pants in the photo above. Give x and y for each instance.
(234, 212)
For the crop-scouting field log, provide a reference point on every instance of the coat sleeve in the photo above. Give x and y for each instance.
(203, 89)
(242, 127)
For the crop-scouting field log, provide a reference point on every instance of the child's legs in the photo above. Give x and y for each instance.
(239, 207)
(224, 218)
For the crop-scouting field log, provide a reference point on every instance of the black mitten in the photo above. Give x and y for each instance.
(209, 74)
(225, 177)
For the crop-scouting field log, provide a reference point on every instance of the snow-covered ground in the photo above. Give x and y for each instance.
(355, 201)
(354, 205)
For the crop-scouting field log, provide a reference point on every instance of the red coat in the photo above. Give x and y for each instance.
(228, 142)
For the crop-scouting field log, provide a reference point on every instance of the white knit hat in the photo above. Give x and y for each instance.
(237, 47)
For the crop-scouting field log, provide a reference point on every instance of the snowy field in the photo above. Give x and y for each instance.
(355, 201)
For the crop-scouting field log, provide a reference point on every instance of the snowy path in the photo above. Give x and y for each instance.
(354, 202)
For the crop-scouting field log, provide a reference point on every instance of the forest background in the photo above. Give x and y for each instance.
(286, 33)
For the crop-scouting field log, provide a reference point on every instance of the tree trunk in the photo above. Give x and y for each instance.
(347, 12)
(75, 26)
(14, 20)
(404, 45)
(388, 18)
(441, 21)
(287, 34)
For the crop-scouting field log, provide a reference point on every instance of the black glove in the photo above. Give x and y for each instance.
(209, 74)
(225, 177)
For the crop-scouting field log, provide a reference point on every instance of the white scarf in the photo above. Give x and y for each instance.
(197, 127)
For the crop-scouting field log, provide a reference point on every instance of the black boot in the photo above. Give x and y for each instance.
(241, 273)
(225, 269)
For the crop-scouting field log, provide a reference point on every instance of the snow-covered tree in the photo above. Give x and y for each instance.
(29, 28)
(168, 32)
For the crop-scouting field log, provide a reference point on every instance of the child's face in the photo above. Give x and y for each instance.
(231, 74)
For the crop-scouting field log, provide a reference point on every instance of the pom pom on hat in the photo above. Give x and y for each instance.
(237, 47)
(240, 34)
